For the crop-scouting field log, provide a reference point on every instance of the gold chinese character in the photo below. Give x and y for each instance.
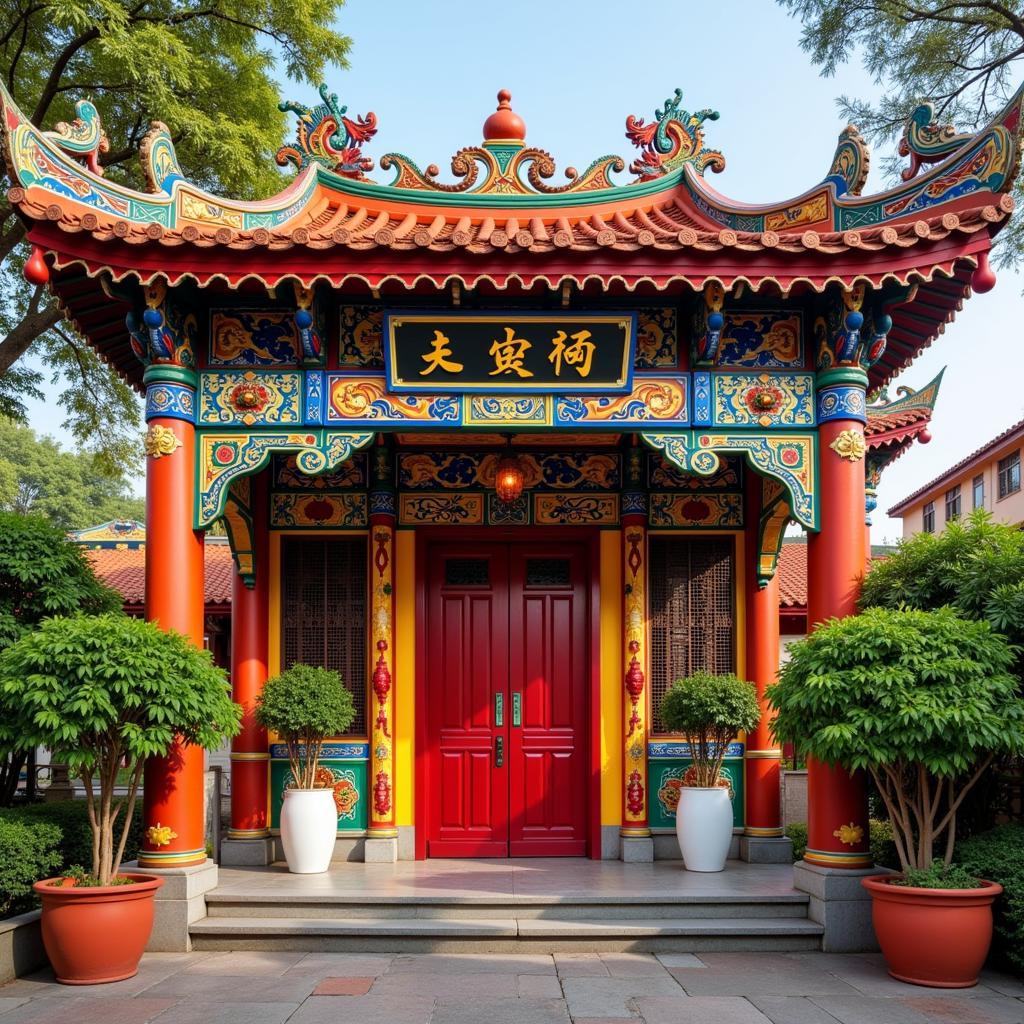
(579, 354)
(509, 354)
(438, 356)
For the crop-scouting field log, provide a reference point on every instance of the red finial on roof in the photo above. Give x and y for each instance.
(504, 123)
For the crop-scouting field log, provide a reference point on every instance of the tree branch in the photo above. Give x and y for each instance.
(20, 337)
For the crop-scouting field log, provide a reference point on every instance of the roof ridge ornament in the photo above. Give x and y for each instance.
(675, 137)
(325, 136)
(926, 141)
(851, 162)
(84, 138)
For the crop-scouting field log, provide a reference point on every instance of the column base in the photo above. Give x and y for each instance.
(247, 853)
(381, 851)
(637, 850)
(766, 849)
(179, 902)
(840, 904)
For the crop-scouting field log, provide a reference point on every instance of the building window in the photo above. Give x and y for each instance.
(1009, 474)
(978, 492)
(692, 611)
(323, 613)
(953, 503)
(928, 518)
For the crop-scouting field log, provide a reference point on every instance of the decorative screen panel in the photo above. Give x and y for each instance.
(548, 572)
(323, 592)
(467, 572)
(692, 611)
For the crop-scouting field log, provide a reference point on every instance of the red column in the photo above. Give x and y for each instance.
(762, 755)
(173, 785)
(250, 759)
(837, 809)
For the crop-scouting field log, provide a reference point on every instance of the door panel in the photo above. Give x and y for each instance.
(467, 663)
(506, 629)
(548, 666)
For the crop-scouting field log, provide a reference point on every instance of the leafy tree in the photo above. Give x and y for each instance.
(965, 57)
(37, 477)
(105, 691)
(975, 565)
(41, 573)
(205, 70)
(922, 700)
(709, 710)
(305, 705)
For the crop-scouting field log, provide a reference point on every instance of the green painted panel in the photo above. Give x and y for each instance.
(664, 777)
(350, 791)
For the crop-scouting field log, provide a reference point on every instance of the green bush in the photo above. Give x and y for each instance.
(305, 705)
(883, 850)
(998, 856)
(709, 710)
(71, 817)
(923, 700)
(29, 851)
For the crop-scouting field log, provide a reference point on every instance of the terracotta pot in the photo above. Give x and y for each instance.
(96, 934)
(935, 937)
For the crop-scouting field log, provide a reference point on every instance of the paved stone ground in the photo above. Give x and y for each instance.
(679, 988)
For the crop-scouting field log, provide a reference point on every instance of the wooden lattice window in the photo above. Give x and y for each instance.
(691, 611)
(323, 614)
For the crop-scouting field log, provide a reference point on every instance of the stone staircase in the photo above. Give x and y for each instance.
(505, 923)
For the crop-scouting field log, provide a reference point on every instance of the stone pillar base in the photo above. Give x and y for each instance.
(766, 849)
(180, 901)
(381, 851)
(637, 850)
(839, 903)
(247, 853)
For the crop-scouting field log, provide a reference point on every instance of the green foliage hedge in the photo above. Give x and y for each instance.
(883, 850)
(998, 855)
(29, 850)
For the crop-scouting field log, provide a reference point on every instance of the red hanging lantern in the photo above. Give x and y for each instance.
(508, 478)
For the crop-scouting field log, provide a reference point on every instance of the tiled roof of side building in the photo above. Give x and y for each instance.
(125, 571)
(959, 467)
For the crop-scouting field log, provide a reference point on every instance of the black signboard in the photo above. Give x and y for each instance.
(494, 351)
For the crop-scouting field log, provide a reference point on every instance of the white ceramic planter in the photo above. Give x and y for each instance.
(309, 823)
(704, 827)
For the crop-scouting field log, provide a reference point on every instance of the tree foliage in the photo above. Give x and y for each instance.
(38, 478)
(305, 705)
(709, 710)
(965, 57)
(923, 700)
(104, 691)
(974, 565)
(208, 72)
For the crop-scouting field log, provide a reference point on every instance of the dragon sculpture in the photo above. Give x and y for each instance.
(675, 137)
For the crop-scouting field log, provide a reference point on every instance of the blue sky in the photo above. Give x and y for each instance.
(430, 71)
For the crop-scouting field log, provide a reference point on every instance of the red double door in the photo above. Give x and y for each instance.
(506, 672)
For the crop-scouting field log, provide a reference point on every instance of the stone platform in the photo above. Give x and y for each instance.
(494, 906)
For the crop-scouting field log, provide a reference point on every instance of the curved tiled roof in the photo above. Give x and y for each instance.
(124, 569)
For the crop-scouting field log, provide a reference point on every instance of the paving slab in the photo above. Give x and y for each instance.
(771, 980)
(102, 1010)
(699, 1010)
(791, 1010)
(450, 986)
(632, 965)
(467, 963)
(339, 965)
(258, 963)
(538, 986)
(518, 1011)
(219, 989)
(580, 965)
(870, 1010)
(1003, 984)
(612, 997)
(343, 987)
(362, 1010)
(978, 1010)
(192, 1012)
(688, 960)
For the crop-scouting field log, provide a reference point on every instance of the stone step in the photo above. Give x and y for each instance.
(420, 907)
(505, 935)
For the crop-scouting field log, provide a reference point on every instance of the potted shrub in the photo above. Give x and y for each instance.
(106, 692)
(708, 711)
(304, 706)
(923, 701)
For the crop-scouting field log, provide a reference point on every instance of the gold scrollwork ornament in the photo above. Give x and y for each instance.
(160, 441)
(849, 444)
